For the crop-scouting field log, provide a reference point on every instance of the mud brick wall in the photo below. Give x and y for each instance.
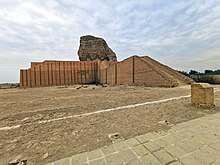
(54, 73)
(103, 75)
(148, 75)
(167, 71)
(125, 72)
(134, 71)
(131, 71)
(202, 95)
(111, 76)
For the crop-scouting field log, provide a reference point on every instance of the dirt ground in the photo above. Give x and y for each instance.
(40, 142)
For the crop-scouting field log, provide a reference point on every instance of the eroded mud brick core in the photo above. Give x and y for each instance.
(94, 48)
(202, 95)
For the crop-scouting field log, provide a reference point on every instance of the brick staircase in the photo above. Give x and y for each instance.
(167, 72)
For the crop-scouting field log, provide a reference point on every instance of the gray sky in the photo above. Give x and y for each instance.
(182, 34)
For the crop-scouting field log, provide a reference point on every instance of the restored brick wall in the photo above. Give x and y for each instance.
(134, 70)
(167, 71)
(50, 73)
(146, 74)
(111, 76)
(125, 71)
(103, 76)
(131, 71)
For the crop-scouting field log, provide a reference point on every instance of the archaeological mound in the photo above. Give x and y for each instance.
(98, 64)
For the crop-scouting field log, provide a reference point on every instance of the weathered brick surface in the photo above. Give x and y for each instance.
(21, 78)
(202, 94)
(111, 76)
(131, 71)
(125, 71)
(50, 73)
(139, 71)
(168, 72)
(146, 74)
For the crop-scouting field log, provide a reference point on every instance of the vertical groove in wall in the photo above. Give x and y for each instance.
(29, 78)
(71, 72)
(133, 70)
(35, 79)
(68, 69)
(40, 74)
(93, 72)
(26, 78)
(54, 74)
(51, 66)
(106, 76)
(72, 69)
(80, 71)
(85, 71)
(48, 75)
(59, 75)
(94, 68)
(64, 75)
(97, 73)
(74, 73)
(21, 78)
(89, 72)
(116, 76)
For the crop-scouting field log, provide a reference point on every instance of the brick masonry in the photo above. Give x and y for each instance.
(55, 73)
(202, 94)
(134, 70)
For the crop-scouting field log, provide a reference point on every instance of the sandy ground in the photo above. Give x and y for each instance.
(40, 143)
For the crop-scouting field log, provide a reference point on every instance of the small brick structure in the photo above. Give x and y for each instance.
(202, 95)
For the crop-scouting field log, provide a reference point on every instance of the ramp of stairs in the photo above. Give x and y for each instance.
(168, 72)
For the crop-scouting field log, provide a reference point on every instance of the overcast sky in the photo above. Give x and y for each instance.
(184, 34)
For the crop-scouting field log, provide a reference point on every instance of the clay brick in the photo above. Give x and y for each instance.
(202, 94)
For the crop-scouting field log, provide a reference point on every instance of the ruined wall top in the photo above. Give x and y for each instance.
(94, 48)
